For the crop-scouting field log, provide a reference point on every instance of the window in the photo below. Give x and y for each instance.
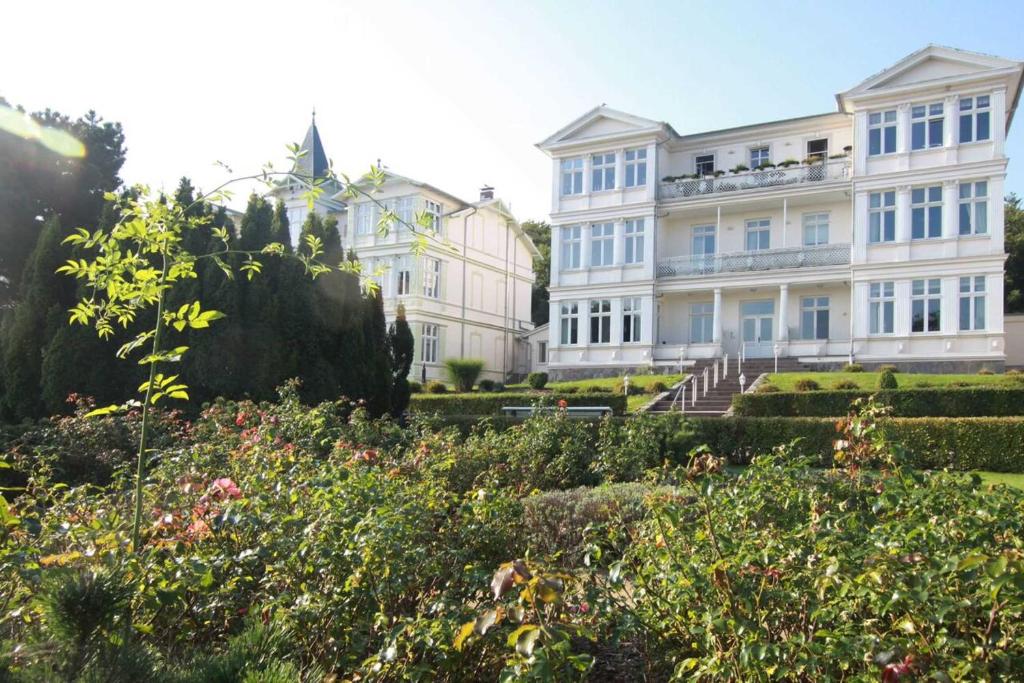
(631, 320)
(815, 229)
(570, 323)
(366, 219)
(881, 132)
(635, 241)
(974, 208)
(601, 321)
(636, 167)
(814, 317)
(974, 119)
(542, 352)
(817, 149)
(704, 164)
(758, 234)
(760, 155)
(702, 320)
(925, 305)
(602, 244)
(403, 212)
(703, 240)
(571, 241)
(972, 303)
(882, 302)
(433, 210)
(926, 126)
(403, 277)
(926, 212)
(431, 342)
(432, 278)
(572, 176)
(602, 172)
(882, 217)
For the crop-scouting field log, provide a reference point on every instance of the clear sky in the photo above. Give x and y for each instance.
(455, 93)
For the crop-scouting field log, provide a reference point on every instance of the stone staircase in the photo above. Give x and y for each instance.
(719, 398)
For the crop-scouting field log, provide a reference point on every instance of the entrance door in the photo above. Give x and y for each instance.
(757, 324)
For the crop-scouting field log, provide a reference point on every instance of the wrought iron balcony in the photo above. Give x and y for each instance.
(748, 261)
(755, 180)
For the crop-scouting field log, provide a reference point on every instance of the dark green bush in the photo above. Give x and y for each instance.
(492, 403)
(486, 385)
(596, 389)
(767, 388)
(415, 387)
(435, 387)
(887, 380)
(463, 372)
(853, 367)
(568, 390)
(888, 367)
(969, 401)
(846, 385)
(537, 380)
(619, 388)
(657, 387)
(806, 385)
(499, 386)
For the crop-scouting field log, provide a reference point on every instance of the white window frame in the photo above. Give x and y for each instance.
(434, 211)
(704, 312)
(702, 232)
(926, 292)
(571, 176)
(822, 155)
(815, 305)
(756, 158)
(973, 293)
(882, 216)
(635, 167)
(572, 247)
(818, 223)
(923, 117)
(431, 277)
(881, 299)
(971, 110)
(930, 210)
(569, 323)
(542, 353)
(403, 276)
(431, 344)
(972, 208)
(602, 245)
(760, 226)
(600, 321)
(365, 223)
(633, 252)
(697, 163)
(882, 121)
(602, 171)
(632, 319)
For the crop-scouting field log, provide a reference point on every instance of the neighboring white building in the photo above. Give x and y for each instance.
(466, 295)
(877, 236)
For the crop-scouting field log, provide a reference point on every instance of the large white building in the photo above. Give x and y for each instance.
(872, 234)
(466, 293)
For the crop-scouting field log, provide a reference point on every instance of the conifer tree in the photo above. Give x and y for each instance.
(402, 346)
(377, 359)
(281, 226)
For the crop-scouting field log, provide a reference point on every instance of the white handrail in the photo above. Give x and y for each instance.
(705, 380)
(725, 366)
(716, 374)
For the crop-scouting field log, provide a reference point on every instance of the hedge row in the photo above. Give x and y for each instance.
(977, 401)
(492, 403)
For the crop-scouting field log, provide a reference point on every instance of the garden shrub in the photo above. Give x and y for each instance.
(853, 367)
(986, 371)
(766, 388)
(492, 403)
(597, 389)
(806, 385)
(969, 401)
(435, 387)
(657, 387)
(463, 372)
(415, 387)
(619, 388)
(537, 380)
(887, 380)
(568, 390)
(499, 386)
(846, 385)
(486, 385)
(888, 367)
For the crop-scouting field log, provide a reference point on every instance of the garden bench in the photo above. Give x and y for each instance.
(574, 411)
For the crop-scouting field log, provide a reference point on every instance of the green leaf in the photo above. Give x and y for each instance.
(527, 641)
(465, 632)
(103, 411)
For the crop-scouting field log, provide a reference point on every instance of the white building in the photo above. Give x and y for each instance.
(876, 236)
(467, 294)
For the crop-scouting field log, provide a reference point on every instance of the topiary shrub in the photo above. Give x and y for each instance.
(853, 367)
(888, 367)
(537, 380)
(887, 380)
(435, 387)
(846, 385)
(486, 385)
(415, 388)
(463, 372)
(657, 387)
(766, 388)
(807, 385)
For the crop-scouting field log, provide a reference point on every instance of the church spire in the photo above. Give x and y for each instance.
(314, 162)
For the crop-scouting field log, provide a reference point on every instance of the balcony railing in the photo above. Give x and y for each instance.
(754, 180)
(746, 261)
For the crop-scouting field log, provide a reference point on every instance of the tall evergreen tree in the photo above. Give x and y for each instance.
(378, 362)
(280, 228)
(402, 346)
(539, 233)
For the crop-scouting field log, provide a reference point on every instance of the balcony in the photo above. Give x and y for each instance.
(756, 180)
(751, 261)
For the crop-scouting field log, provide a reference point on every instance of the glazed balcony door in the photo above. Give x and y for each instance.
(757, 324)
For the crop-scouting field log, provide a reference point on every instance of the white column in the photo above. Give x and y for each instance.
(949, 305)
(860, 229)
(556, 191)
(783, 335)
(616, 330)
(993, 304)
(716, 318)
(860, 147)
(556, 255)
(950, 207)
(619, 245)
(951, 113)
(620, 168)
(652, 172)
(996, 227)
(585, 246)
(587, 167)
(997, 121)
(903, 213)
(785, 220)
(902, 129)
(554, 325)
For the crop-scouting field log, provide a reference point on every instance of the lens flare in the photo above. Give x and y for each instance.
(54, 139)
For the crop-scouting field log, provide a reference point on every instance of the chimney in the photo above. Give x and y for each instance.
(486, 193)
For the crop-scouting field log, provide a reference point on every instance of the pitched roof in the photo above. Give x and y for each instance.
(632, 124)
(314, 162)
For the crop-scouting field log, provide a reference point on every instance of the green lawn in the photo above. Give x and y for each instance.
(869, 380)
(633, 403)
(1012, 480)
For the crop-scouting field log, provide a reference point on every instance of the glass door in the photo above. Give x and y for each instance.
(757, 325)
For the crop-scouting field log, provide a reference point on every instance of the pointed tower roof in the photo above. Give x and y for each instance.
(314, 162)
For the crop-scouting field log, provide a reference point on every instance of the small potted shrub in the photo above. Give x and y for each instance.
(740, 168)
(811, 161)
(788, 162)
(848, 149)
(806, 385)
(537, 380)
(719, 174)
(887, 380)
(765, 166)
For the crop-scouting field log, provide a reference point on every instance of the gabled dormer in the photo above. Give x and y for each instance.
(601, 126)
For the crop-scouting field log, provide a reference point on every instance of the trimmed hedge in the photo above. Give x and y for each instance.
(978, 401)
(492, 403)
